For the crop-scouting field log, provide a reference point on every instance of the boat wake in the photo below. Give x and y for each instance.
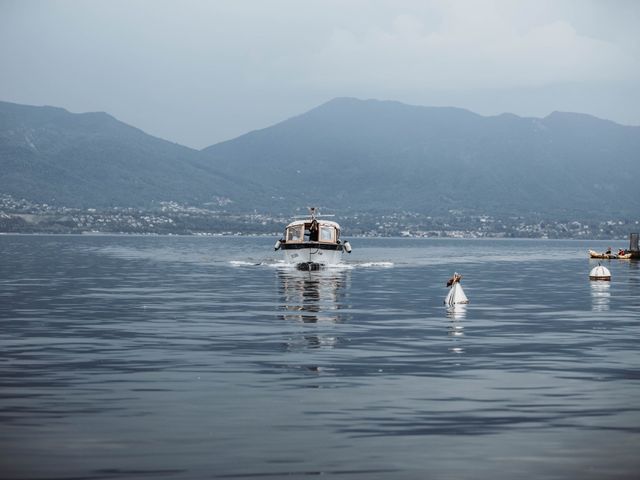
(284, 265)
(375, 264)
(263, 263)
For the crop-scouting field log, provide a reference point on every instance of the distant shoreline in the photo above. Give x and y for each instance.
(270, 236)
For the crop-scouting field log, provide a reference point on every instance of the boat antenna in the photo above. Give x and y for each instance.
(314, 213)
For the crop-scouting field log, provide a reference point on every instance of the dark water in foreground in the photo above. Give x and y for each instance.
(165, 357)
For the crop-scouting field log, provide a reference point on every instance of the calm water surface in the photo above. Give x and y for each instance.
(189, 358)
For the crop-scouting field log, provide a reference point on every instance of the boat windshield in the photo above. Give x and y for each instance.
(295, 234)
(327, 234)
(310, 232)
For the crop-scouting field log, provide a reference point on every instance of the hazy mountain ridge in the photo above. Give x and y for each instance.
(386, 155)
(346, 154)
(91, 159)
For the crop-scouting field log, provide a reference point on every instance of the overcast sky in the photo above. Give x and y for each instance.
(199, 72)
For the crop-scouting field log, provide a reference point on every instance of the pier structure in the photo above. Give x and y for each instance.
(633, 245)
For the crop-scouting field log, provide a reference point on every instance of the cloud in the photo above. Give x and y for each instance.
(199, 71)
(475, 45)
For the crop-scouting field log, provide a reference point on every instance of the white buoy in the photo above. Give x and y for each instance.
(600, 273)
(456, 294)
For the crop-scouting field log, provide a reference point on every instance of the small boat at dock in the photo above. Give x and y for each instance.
(313, 242)
(610, 256)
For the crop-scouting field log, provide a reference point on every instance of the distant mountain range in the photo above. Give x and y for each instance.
(345, 155)
(49, 155)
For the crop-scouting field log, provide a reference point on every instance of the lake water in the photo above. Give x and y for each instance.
(192, 357)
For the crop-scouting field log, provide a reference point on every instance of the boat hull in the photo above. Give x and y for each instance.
(311, 255)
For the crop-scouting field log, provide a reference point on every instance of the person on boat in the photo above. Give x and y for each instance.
(608, 252)
(621, 252)
(313, 231)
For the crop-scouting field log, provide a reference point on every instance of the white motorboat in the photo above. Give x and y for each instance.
(313, 242)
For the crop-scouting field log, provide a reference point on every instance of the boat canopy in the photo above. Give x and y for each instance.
(312, 230)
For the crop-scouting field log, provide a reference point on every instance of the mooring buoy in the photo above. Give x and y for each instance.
(600, 273)
(456, 294)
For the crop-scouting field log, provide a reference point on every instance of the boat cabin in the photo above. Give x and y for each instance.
(321, 231)
(312, 242)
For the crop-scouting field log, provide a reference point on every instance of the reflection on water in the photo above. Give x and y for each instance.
(600, 296)
(312, 296)
(456, 330)
(456, 313)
